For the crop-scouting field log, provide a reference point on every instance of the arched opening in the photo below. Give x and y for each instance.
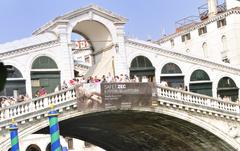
(94, 44)
(200, 83)
(172, 74)
(224, 52)
(82, 54)
(142, 67)
(205, 49)
(224, 43)
(15, 84)
(33, 147)
(137, 130)
(44, 73)
(227, 89)
(49, 147)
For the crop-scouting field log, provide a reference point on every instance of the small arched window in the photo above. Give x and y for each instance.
(226, 82)
(44, 62)
(141, 62)
(224, 43)
(224, 52)
(33, 147)
(14, 73)
(170, 68)
(172, 43)
(199, 75)
(205, 49)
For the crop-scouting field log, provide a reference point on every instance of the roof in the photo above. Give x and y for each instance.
(70, 15)
(27, 42)
(220, 16)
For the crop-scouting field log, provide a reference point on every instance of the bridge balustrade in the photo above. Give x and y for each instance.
(41, 104)
(37, 104)
(196, 99)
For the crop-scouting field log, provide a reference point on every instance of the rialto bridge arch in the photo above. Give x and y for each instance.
(141, 128)
(101, 28)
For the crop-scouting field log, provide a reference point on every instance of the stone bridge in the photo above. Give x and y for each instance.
(175, 120)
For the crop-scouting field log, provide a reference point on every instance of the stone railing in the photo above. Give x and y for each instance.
(62, 99)
(38, 107)
(35, 105)
(202, 101)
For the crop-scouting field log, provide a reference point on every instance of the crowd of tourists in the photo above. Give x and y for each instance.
(96, 79)
(7, 101)
(107, 79)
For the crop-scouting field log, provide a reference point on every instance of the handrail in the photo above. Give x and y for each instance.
(197, 99)
(35, 99)
(165, 93)
(37, 104)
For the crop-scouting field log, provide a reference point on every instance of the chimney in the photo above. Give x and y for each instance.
(212, 8)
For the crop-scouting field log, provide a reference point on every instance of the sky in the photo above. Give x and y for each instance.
(147, 19)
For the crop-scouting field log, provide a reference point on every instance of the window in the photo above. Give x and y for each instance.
(199, 75)
(221, 23)
(171, 68)
(87, 59)
(205, 49)
(186, 37)
(224, 51)
(172, 42)
(202, 30)
(44, 62)
(224, 43)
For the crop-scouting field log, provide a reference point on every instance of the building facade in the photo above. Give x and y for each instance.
(202, 56)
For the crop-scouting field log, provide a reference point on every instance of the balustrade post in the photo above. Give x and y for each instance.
(209, 103)
(179, 96)
(6, 113)
(14, 136)
(54, 129)
(237, 108)
(45, 101)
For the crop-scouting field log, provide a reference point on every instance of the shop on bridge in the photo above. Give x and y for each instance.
(200, 83)
(172, 74)
(15, 83)
(142, 67)
(227, 89)
(44, 73)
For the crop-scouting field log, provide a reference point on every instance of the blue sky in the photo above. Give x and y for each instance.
(146, 18)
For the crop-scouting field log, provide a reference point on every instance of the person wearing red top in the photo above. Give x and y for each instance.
(42, 91)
